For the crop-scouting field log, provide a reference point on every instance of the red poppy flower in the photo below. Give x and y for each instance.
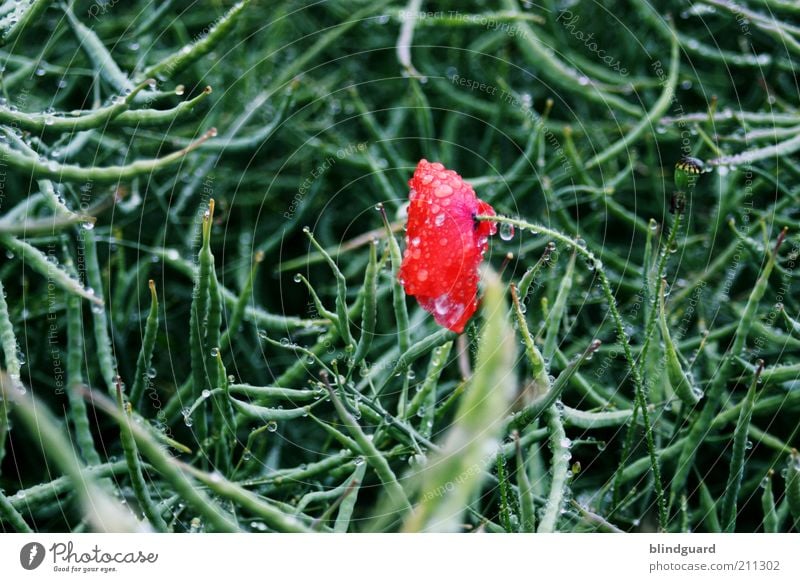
(444, 244)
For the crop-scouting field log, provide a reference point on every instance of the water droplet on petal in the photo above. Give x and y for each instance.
(443, 190)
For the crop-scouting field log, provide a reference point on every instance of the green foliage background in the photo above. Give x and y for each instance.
(275, 378)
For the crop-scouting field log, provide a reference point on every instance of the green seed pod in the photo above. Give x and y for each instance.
(148, 345)
(768, 505)
(370, 307)
(793, 484)
(681, 382)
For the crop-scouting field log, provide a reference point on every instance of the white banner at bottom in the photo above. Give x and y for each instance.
(388, 557)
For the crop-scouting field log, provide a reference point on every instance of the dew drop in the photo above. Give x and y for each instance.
(443, 191)
(506, 231)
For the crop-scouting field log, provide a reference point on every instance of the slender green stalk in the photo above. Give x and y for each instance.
(398, 294)
(316, 497)
(141, 118)
(437, 363)
(541, 380)
(681, 381)
(595, 420)
(8, 341)
(199, 353)
(189, 54)
(135, 471)
(144, 361)
(255, 504)
(557, 312)
(527, 507)
(44, 493)
(559, 445)
(97, 52)
(75, 358)
(238, 311)
(597, 521)
(262, 393)
(24, 13)
(652, 289)
(100, 323)
(540, 405)
(264, 414)
(709, 505)
(48, 267)
(793, 485)
(348, 504)
(768, 505)
(101, 175)
(505, 497)
(416, 351)
(75, 121)
(10, 515)
(342, 319)
(729, 501)
(370, 308)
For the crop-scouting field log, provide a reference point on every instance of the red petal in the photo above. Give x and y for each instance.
(444, 244)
